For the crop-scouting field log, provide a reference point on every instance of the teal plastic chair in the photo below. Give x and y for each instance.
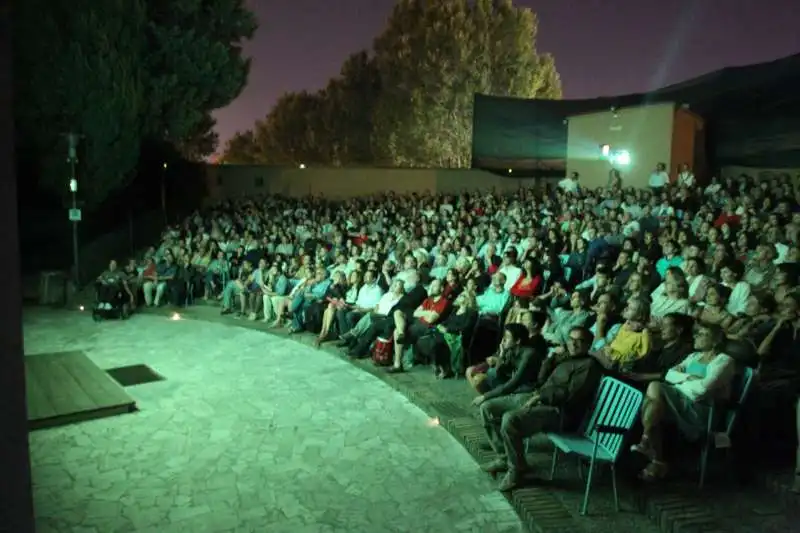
(722, 439)
(615, 410)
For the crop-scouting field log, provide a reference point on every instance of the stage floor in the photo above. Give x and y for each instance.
(248, 432)
(67, 387)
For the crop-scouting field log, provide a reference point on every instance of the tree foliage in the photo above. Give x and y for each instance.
(122, 73)
(329, 127)
(408, 102)
(433, 57)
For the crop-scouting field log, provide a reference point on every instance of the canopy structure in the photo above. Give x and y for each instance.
(751, 113)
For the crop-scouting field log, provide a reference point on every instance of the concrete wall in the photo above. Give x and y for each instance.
(645, 131)
(236, 181)
(688, 143)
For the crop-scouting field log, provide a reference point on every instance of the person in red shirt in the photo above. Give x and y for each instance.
(408, 330)
(525, 289)
(528, 283)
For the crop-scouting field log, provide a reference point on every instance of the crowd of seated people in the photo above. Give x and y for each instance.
(532, 296)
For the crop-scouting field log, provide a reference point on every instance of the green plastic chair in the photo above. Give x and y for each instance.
(615, 410)
(722, 439)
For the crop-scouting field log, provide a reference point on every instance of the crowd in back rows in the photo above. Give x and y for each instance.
(414, 276)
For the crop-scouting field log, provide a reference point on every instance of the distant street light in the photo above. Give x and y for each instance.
(302, 165)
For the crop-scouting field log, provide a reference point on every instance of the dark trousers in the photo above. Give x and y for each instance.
(415, 332)
(382, 326)
(346, 319)
(433, 348)
(109, 293)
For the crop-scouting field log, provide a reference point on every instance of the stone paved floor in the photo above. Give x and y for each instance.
(249, 433)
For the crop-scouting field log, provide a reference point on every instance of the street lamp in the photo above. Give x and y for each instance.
(74, 212)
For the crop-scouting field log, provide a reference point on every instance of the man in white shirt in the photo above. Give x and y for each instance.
(369, 295)
(685, 176)
(659, 178)
(494, 299)
(381, 310)
(570, 183)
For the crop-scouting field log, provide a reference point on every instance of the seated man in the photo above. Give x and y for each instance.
(562, 321)
(564, 391)
(493, 300)
(368, 297)
(380, 326)
(112, 288)
(381, 311)
(517, 368)
(408, 330)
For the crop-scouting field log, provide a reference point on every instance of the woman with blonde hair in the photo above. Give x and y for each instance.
(444, 346)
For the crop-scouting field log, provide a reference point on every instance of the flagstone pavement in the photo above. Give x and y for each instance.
(248, 433)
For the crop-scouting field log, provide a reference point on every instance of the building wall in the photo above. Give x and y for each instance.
(235, 181)
(645, 131)
(687, 143)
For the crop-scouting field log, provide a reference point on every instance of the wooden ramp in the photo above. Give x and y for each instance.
(67, 387)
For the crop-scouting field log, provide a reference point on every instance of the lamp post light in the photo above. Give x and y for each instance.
(74, 213)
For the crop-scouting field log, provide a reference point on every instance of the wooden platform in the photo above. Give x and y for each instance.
(67, 387)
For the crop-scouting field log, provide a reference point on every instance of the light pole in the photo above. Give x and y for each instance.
(74, 213)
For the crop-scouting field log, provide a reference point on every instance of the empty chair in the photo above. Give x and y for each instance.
(722, 439)
(615, 410)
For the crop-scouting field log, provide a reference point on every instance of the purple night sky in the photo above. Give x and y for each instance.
(601, 48)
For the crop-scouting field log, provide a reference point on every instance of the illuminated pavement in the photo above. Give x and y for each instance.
(249, 433)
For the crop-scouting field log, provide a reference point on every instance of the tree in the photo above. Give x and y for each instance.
(330, 127)
(349, 100)
(79, 70)
(241, 149)
(433, 57)
(200, 142)
(124, 74)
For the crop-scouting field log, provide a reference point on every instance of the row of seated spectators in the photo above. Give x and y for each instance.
(644, 283)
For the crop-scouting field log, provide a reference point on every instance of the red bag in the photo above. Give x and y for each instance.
(383, 352)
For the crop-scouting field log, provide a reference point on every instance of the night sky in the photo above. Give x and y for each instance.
(601, 48)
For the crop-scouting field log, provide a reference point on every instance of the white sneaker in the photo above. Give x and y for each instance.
(251, 316)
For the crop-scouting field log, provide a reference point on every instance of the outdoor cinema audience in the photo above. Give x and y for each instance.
(533, 296)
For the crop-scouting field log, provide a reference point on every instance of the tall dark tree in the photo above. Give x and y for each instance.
(432, 59)
(200, 143)
(122, 72)
(78, 68)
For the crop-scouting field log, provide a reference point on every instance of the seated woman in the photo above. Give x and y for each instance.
(672, 296)
(705, 375)
(713, 310)
(452, 284)
(337, 301)
(524, 289)
(635, 288)
(622, 347)
(443, 346)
